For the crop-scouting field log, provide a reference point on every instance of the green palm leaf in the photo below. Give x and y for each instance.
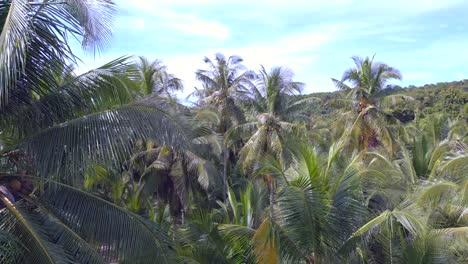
(17, 223)
(15, 35)
(11, 249)
(34, 38)
(108, 137)
(69, 97)
(116, 234)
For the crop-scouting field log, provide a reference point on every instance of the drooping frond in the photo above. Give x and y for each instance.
(239, 238)
(40, 249)
(11, 249)
(64, 151)
(34, 38)
(117, 234)
(340, 85)
(14, 38)
(453, 168)
(265, 243)
(69, 97)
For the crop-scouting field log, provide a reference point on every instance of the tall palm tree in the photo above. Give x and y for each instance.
(154, 78)
(270, 132)
(368, 79)
(271, 92)
(367, 82)
(223, 83)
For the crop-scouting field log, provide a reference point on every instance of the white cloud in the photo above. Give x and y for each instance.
(298, 51)
(303, 51)
(166, 16)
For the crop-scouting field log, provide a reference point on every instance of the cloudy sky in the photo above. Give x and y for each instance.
(426, 39)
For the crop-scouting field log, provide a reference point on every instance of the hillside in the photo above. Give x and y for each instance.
(444, 97)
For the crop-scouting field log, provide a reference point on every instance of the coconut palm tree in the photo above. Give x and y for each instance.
(59, 225)
(56, 125)
(270, 93)
(223, 83)
(268, 134)
(418, 214)
(30, 44)
(432, 230)
(368, 79)
(56, 156)
(315, 211)
(366, 89)
(154, 78)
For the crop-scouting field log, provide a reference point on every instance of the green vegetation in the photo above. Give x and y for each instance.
(108, 167)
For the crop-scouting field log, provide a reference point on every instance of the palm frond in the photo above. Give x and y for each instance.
(34, 38)
(265, 243)
(70, 97)
(239, 239)
(11, 249)
(375, 222)
(117, 235)
(17, 223)
(454, 168)
(65, 150)
(14, 38)
(340, 85)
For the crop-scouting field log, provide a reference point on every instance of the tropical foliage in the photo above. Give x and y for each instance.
(108, 167)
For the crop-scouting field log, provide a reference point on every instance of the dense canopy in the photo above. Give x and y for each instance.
(109, 167)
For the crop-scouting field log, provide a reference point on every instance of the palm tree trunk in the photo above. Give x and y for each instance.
(225, 166)
(182, 216)
(309, 260)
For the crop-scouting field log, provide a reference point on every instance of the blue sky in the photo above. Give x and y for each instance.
(426, 39)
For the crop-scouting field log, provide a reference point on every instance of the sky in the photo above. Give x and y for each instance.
(427, 40)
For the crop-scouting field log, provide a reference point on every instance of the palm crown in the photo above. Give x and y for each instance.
(367, 79)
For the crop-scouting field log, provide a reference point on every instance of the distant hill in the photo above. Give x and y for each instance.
(445, 97)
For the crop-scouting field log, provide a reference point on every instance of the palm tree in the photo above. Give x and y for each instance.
(177, 178)
(59, 225)
(154, 78)
(223, 83)
(270, 132)
(429, 230)
(203, 238)
(57, 157)
(30, 44)
(368, 79)
(417, 205)
(57, 124)
(315, 212)
(367, 82)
